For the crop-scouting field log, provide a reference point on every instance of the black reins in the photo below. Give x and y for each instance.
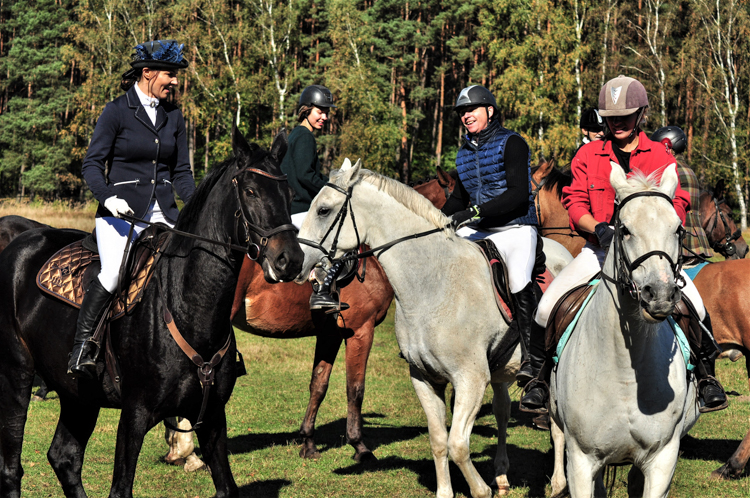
(254, 251)
(624, 268)
(727, 247)
(346, 210)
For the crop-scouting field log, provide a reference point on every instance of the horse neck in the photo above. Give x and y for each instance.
(623, 335)
(200, 275)
(412, 265)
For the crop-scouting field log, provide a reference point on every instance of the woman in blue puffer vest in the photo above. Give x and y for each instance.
(493, 199)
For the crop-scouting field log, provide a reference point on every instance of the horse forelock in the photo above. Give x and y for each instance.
(403, 194)
(640, 182)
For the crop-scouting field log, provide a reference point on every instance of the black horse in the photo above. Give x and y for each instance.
(12, 225)
(158, 380)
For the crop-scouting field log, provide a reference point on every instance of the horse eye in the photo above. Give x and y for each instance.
(250, 192)
(624, 230)
(323, 211)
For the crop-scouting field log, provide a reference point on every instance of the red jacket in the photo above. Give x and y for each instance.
(591, 192)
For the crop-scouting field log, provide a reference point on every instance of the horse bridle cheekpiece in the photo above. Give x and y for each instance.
(255, 251)
(338, 223)
(727, 247)
(624, 268)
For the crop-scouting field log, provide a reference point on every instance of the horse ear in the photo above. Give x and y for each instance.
(240, 146)
(617, 177)
(444, 179)
(279, 146)
(669, 180)
(719, 189)
(350, 174)
(346, 164)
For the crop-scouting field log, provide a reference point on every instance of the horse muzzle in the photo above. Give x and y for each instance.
(658, 300)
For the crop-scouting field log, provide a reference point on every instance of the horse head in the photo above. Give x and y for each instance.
(263, 221)
(644, 256)
(717, 221)
(437, 189)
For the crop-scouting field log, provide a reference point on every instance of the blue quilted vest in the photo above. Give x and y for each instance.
(482, 172)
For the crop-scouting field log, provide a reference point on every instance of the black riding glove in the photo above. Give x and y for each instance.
(604, 233)
(461, 217)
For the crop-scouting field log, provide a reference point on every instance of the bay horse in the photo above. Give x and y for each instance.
(447, 323)
(621, 393)
(243, 198)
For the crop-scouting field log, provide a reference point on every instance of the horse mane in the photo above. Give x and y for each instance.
(452, 173)
(402, 193)
(556, 180)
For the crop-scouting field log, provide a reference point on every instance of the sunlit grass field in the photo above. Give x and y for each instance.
(267, 406)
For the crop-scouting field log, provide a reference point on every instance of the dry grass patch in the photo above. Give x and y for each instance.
(58, 214)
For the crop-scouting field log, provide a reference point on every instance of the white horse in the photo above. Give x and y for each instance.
(621, 391)
(447, 322)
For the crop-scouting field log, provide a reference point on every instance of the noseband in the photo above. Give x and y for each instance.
(346, 210)
(624, 268)
(255, 251)
(727, 247)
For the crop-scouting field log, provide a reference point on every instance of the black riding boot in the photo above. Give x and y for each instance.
(536, 392)
(525, 305)
(82, 360)
(323, 298)
(710, 390)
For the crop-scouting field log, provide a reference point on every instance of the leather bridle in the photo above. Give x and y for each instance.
(624, 268)
(727, 245)
(338, 223)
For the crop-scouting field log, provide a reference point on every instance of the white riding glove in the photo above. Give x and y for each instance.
(118, 206)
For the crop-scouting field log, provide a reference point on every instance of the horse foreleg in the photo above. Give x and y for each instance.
(736, 463)
(581, 470)
(432, 398)
(65, 455)
(469, 388)
(501, 409)
(15, 393)
(326, 349)
(659, 471)
(212, 436)
(135, 421)
(357, 352)
(559, 483)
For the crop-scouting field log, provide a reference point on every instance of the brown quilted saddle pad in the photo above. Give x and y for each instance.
(66, 274)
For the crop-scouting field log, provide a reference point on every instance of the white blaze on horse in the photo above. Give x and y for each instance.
(447, 322)
(621, 392)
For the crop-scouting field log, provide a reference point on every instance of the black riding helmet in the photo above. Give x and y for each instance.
(591, 121)
(316, 95)
(675, 136)
(474, 95)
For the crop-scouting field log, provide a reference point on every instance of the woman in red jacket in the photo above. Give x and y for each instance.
(590, 201)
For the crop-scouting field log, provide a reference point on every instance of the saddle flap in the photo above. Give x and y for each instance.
(499, 277)
(564, 313)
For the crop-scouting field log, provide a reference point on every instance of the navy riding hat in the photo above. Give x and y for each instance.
(159, 54)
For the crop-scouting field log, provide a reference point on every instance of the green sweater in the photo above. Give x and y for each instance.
(302, 166)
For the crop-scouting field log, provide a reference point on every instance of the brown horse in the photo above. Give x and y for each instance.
(731, 326)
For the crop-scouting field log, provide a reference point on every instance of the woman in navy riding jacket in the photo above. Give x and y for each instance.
(141, 137)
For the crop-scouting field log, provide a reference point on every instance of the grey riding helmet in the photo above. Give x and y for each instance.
(316, 95)
(474, 95)
(673, 137)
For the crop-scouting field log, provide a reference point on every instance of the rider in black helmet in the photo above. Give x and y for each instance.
(671, 136)
(592, 125)
(302, 167)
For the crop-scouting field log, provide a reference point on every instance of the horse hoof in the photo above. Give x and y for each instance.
(503, 491)
(179, 462)
(365, 456)
(725, 473)
(193, 463)
(36, 398)
(312, 454)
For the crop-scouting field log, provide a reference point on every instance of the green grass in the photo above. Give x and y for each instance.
(267, 407)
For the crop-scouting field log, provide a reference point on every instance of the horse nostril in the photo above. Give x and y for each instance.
(676, 295)
(281, 262)
(647, 293)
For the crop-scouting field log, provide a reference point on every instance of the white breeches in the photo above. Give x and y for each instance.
(582, 269)
(112, 239)
(517, 246)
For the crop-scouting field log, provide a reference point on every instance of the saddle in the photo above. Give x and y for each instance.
(69, 271)
(540, 275)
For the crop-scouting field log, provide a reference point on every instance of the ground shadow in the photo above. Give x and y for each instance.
(266, 489)
(528, 468)
(707, 449)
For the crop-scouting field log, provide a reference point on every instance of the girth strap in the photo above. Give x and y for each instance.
(205, 369)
